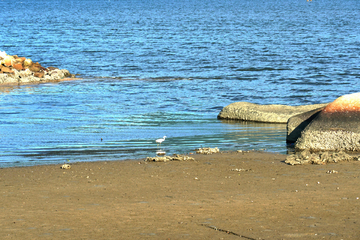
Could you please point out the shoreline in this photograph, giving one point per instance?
(137, 158)
(226, 195)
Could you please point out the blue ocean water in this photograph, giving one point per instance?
(155, 68)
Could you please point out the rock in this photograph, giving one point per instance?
(264, 113)
(298, 123)
(306, 157)
(6, 70)
(207, 150)
(35, 67)
(67, 73)
(176, 157)
(52, 68)
(65, 166)
(21, 59)
(8, 61)
(2, 55)
(18, 66)
(336, 127)
(25, 74)
(27, 63)
(39, 74)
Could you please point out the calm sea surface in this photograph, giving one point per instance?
(166, 68)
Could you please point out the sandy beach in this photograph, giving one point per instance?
(250, 195)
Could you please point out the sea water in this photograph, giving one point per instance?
(166, 68)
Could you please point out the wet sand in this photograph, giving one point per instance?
(221, 196)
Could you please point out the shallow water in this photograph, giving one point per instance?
(160, 68)
(99, 120)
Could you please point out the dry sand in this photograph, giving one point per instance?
(221, 196)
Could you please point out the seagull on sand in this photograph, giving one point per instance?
(160, 140)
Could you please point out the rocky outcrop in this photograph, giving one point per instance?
(264, 113)
(17, 70)
(335, 128)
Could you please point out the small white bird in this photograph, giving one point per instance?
(160, 140)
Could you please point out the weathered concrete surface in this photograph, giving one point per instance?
(264, 113)
(306, 157)
(336, 127)
(298, 123)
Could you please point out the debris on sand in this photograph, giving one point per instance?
(176, 157)
(306, 157)
(240, 170)
(207, 150)
(65, 166)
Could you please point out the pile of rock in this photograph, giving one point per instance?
(14, 69)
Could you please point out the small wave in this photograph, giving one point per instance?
(257, 69)
(166, 79)
(157, 79)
